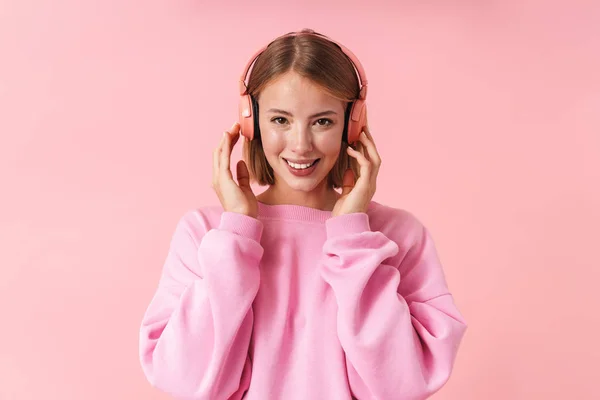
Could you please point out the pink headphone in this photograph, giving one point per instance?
(358, 113)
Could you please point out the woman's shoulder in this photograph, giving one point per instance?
(197, 221)
(398, 224)
(381, 213)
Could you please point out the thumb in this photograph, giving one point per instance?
(243, 176)
(347, 182)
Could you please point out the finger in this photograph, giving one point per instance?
(225, 157)
(216, 157)
(360, 157)
(369, 134)
(367, 130)
(243, 176)
(369, 144)
(235, 128)
(361, 148)
(215, 166)
(234, 134)
(347, 181)
(364, 165)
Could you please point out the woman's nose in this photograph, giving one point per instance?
(302, 140)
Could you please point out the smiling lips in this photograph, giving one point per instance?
(302, 167)
(300, 164)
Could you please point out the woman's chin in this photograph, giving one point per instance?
(304, 187)
(302, 184)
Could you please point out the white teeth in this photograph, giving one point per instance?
(299, 166)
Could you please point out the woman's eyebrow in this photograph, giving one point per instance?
(289, 114)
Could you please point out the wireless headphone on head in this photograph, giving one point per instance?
(248, 108)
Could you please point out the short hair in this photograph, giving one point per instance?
(324, 63)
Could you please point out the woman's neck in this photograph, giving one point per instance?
(321, 198)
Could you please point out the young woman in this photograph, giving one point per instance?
(304, 291)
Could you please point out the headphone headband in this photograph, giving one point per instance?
(357, 65)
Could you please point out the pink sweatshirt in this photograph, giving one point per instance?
(297, 304)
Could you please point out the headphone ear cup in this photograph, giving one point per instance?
(357, 120)
(246, 117)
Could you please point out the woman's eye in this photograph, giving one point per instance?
(320, 122)
(278, 119)
(324, 121)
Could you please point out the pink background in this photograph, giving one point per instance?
(486, 114)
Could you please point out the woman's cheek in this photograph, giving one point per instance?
(330, 143)
(272, 140)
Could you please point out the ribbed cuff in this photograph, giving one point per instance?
(242, 225)
(347, 224)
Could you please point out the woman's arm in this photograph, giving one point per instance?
(398, 325)
(195, 333)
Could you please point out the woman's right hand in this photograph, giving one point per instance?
(234, 197)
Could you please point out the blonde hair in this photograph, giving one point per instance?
(319, 60)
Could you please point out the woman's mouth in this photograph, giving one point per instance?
(302, 167)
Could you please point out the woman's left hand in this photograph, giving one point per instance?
(357, 194)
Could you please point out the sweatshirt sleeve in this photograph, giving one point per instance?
(397, 321)
(195, 333)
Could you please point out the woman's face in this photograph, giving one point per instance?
(301, 128)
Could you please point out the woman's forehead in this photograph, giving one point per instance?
(296, 92)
